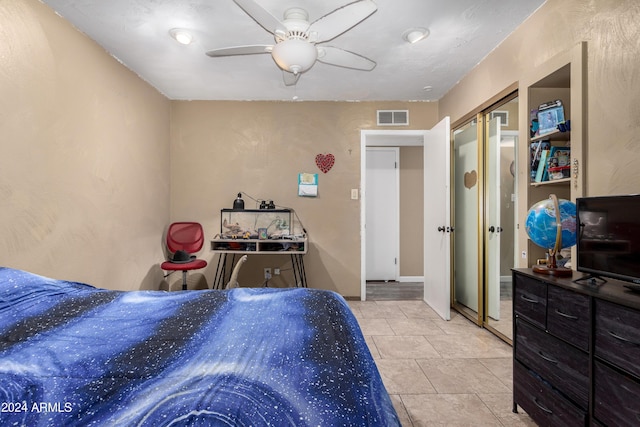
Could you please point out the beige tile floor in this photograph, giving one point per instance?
(439, 373)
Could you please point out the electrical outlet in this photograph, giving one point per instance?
(276, 271)
(267, 273)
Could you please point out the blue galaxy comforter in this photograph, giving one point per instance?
(75, 355)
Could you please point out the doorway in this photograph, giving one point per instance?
(433, 241)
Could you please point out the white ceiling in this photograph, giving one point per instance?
(136, 32)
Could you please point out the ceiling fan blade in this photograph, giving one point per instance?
(241, 50)
(262, 17)
(343, 58)
(340, 20)
(290, 79)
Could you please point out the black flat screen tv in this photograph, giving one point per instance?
(608, 240)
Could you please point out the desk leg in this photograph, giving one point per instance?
(217, 281)
(221, 279)
(294, 268)
(303, 272)
(299, 274)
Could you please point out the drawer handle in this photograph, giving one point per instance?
(547, 358)
(618, 337)
(541, 406)
(527, 299)
(568, 316)
(624, 387)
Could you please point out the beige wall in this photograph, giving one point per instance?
(411, 211)
(84, 184)
(221, 148)
(611, 30)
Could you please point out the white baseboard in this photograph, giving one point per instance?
(411, 279)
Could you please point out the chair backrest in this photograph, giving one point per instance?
(185, 236)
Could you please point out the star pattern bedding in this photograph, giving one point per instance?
(75, 355)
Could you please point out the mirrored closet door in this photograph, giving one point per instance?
(484, 202)
(500, 207)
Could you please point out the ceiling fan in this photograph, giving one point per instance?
(299, 43)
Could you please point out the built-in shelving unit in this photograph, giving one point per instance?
(560, 78)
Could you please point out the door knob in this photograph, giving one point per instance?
(441, 228)
(492, 229)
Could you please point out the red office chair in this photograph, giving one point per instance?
(184, 239)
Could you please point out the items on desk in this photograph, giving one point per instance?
(238, 203)
(269, 205)
(262, 234)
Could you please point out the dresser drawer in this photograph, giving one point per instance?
(530, 300)
(568, 316)
(616, 398)
(565, 367)
(617, 335)
(542, 403)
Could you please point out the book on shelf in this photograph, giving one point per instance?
(536, 149)
(559, 163)
(542, 166)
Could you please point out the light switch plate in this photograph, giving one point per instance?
(354, 194)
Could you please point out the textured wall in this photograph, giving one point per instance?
(612, 31)
(412, 194)
(220, 148)
(84, 188)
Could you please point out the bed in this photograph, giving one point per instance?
(75, 355)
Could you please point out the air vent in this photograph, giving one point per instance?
(393, 117)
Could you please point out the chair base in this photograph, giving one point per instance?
(184, 280)
(196, 264)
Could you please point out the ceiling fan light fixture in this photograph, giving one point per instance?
(181, 36)
(414, 35)
(294, 55)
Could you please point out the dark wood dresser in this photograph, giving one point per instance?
(576, 351)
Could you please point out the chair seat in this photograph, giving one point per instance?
(191, 265)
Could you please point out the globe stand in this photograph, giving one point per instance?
(552, 268)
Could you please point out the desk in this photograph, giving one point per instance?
(294, 247)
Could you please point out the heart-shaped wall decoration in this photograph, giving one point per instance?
(325, 162)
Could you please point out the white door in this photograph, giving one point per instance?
(437, 215)
(382, 204)
(493, 219)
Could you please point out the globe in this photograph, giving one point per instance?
(541, 223)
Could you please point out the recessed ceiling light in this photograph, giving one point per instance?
(414, 35)
(181, 36)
